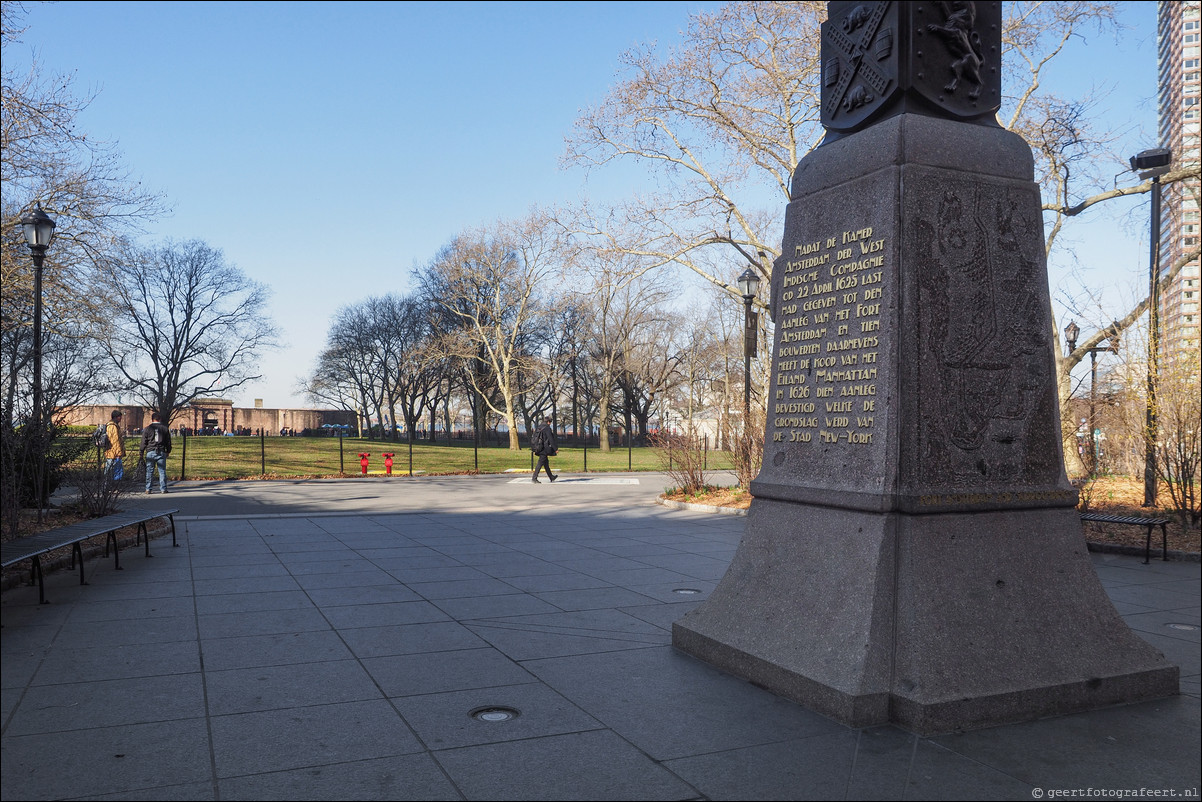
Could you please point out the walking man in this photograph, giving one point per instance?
(114, 454)
(156, 445)
(544, 445)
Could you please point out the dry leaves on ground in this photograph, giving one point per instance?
(1112, 495)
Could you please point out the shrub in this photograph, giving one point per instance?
(99, 494)
(747, 449)
(682, 458)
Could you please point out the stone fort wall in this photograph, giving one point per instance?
(214, 414)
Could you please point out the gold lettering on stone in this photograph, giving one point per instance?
(831, 299)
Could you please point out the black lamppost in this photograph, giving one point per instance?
(749, 286)
(39, 233)
(1152, 164)
(1071, 331)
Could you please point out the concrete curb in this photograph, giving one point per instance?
(684, 505)
(1138, 551)
(1101, 548)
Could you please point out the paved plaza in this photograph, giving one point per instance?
(488, 638)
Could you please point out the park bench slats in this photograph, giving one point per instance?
(34, 546)
(1135, 520)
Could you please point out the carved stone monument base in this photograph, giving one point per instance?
(913, 553)
(933, 622)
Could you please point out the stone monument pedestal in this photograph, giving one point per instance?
(913, 553)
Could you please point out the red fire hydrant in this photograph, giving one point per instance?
(363, 462)
(388, 464)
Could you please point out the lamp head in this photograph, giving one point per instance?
(39, 229)
(1071, 331)
(1151, 159)
(749, 284)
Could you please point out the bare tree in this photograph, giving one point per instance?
(46, 158)
(616, 301)
(335, 380)
(488, 284)
(723, 120)
(652, 368)
(186, 323)
(80, 181)
(1179, 440)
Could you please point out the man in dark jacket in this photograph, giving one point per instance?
(544, 445)
(156, 445)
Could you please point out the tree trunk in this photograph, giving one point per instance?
(511, 419)
(1073, 465)
(603, 421)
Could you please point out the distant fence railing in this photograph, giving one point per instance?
(259, 455)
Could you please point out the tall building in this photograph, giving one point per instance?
(1180, 36)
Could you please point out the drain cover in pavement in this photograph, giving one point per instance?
(493, 714)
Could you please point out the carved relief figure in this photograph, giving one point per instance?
(858, 16)
(963, 42)
(856, 98)
(985, 363)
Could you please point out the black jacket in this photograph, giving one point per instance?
(148, 437)
(544, 443)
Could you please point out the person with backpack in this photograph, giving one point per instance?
(114, 450)
(544, 445)
(156, 445)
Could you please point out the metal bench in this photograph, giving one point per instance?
(34, 546)
(1135, 520)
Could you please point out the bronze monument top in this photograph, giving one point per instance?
(883, 58)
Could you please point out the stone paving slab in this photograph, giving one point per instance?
(320, 653)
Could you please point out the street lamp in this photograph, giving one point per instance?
(1071, 331)
(1152, 164)
(749, 285)
(39, 233)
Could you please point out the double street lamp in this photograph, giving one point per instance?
(1152, 164)
(1071, 332)
(749, 286)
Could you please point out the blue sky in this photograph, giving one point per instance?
(327, 148)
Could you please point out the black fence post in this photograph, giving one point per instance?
(341, 464)
(262, 453)
(183, 460)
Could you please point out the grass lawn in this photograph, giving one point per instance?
(293, 457)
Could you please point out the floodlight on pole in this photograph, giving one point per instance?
(1152, 163)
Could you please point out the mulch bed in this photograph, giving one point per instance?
(1112, 495)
